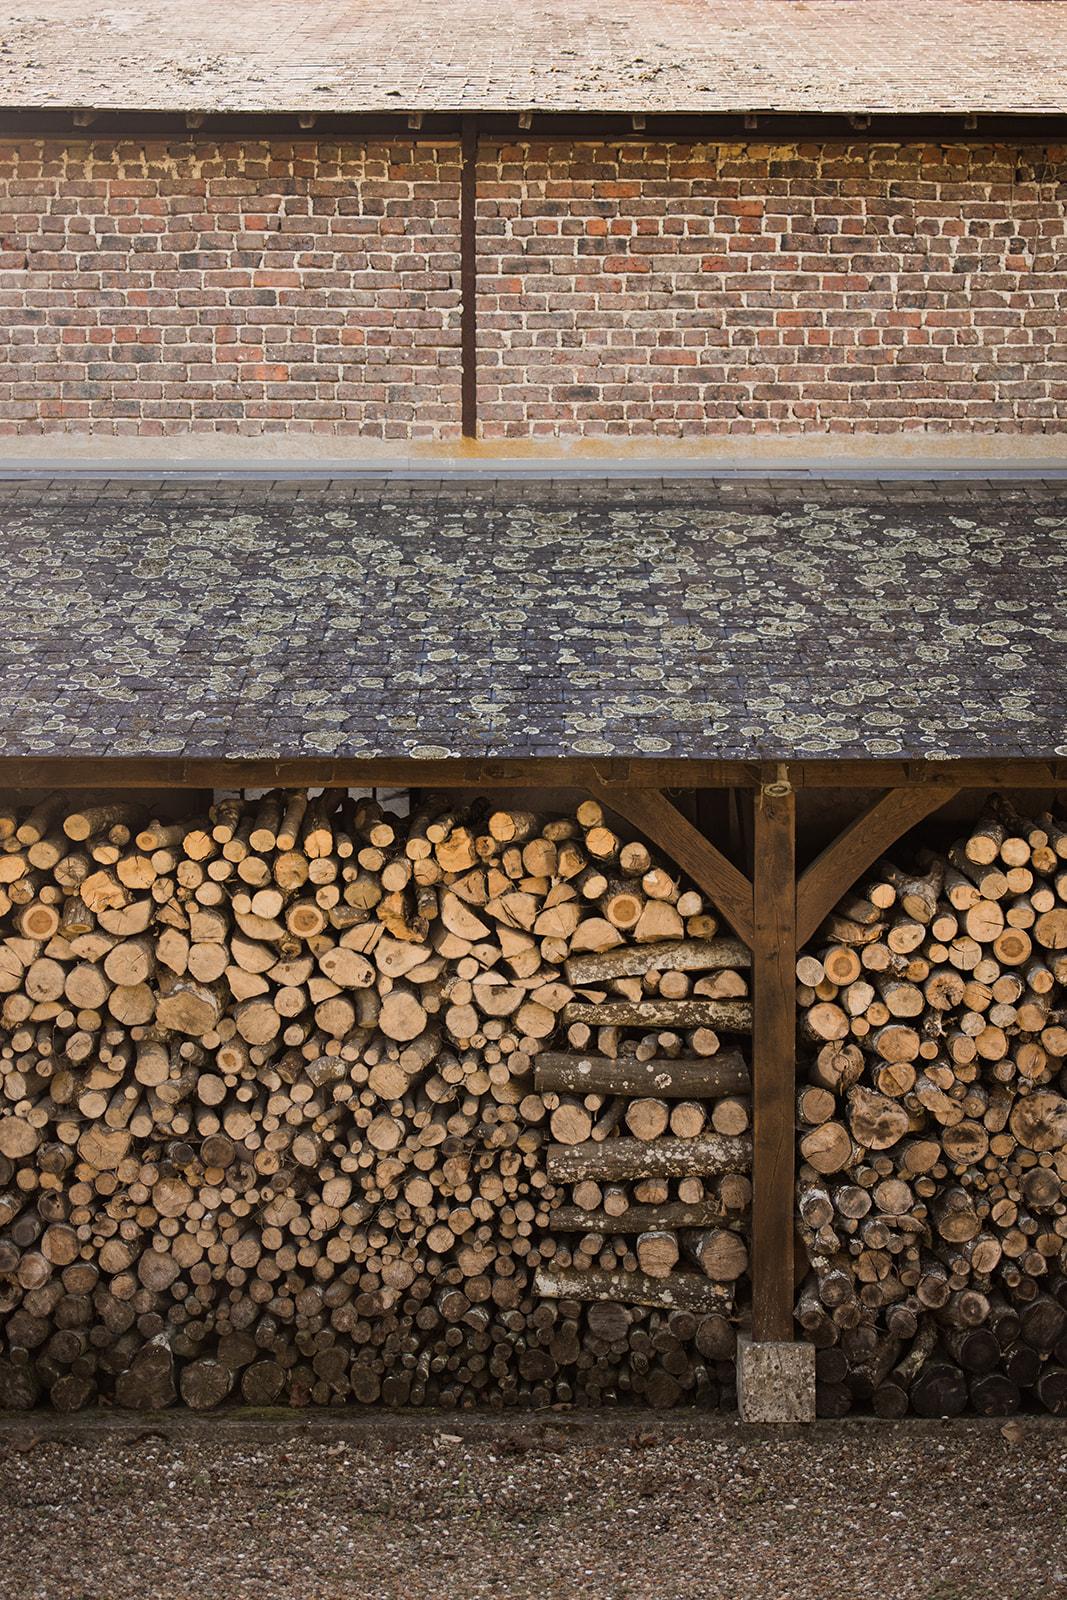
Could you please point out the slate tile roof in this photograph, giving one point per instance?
(733, 622)
(556, 55)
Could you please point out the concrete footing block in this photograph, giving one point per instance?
(775, 1382)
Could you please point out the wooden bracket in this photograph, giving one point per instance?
(834, 872)
(661, 821)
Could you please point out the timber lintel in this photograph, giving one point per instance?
(81, 772)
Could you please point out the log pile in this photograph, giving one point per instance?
(271, 1130)
(932, 1127)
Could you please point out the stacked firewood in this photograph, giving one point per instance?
(271, 1129)
(933, 1130)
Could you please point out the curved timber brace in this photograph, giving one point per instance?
(660, 820)
(775, 913)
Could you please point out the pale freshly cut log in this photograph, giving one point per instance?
(720, 1253)
(676, 955)
(646, 1119)
(641, 1218)
(732, 1016)
(657, 1252)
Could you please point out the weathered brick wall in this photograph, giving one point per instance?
(252, 287)
(671, 290)
(643, 289)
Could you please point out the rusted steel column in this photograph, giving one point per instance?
(468, 279)
(773, 1056)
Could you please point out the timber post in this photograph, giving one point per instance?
(775, 1375)
(773, 1057)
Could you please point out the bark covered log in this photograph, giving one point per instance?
(723, 1074)
(933, 1187)
(273, 1127)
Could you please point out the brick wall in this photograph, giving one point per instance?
(239, 287)
(670, 290)
(653, 289)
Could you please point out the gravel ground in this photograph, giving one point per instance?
(552, 1507)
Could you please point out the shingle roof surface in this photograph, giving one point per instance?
(561, 55)
(681, 621)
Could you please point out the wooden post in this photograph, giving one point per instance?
(773, 1056)
(468, 277)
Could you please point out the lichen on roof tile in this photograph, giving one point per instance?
(269, 626)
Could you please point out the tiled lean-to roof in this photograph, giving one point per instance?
(682, 620)
(848, 56)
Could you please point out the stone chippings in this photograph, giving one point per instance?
(413, 620)
(655, 55)
(548, 1508)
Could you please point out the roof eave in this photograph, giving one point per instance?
(505, 118)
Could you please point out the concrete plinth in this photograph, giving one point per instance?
(775, 1382)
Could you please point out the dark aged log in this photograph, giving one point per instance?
(704, 1078)
(939, 1391)
(933, 1180)
(274, 1127)
(19, 1386)
(993, 1394)
(638, 1218)
(205, 1384)
(1051, 1389)
(148, 1383)
(974, 1349)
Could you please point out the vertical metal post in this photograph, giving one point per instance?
(468, 275)
(773, 1056)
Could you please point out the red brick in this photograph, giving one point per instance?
(647, 288)
(239, 235)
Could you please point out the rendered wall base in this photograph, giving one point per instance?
(877, 455)
(775, 1382)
